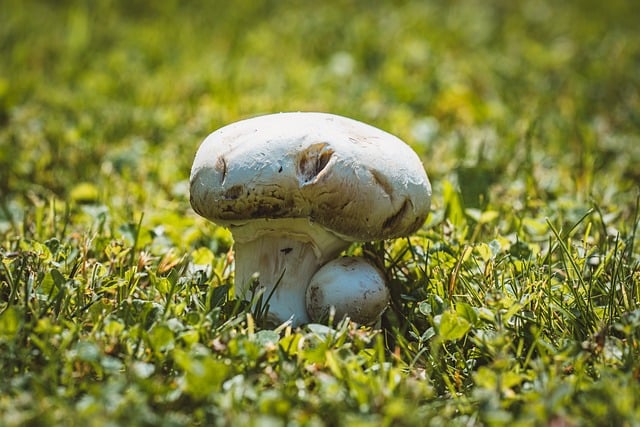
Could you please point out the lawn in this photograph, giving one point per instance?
(516, 303)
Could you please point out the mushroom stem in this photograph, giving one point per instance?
(284, 259)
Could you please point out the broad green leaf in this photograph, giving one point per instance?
(203, 374)
(482, 217)
(453, 326)
(84, 192)
(495, 247)
(266, 337)
(113, 327)
(467, 312)
(202, 256)
(432, 306)
(40, 249)
(9, 322)
(488, 378)
(535, 227)
(425, 308)
(87, 351)
(190, 337)
(485, 378)
(161, 338)
(334, 364)
(290, 343)
(484, 251)
(143, 369)
(163, 285)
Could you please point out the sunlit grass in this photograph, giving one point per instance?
(517, 303)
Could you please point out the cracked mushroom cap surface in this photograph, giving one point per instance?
(351, 178)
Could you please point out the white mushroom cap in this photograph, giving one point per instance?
(352, 286)
(346, 176)
(296, 188)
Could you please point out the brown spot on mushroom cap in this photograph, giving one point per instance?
(382, 181)
(221, 168)
(234, 192)
(392, 220)
(348, 177)
(312, 161)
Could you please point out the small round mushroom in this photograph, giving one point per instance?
(296, 189)
(352, 286)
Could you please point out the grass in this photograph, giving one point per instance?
(517, 303)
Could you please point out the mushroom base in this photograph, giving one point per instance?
(285, 254)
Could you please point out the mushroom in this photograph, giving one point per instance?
(352, 287)
(296, 189)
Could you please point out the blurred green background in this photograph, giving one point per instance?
(114, 92)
